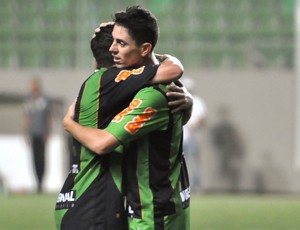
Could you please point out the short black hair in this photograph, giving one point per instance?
(141, 24)
(100, 45)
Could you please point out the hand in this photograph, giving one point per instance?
(161, 57)
(103, 24)
(69, 115)
(181, 99)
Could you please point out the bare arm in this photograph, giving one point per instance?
(97, 140)
(169, 70)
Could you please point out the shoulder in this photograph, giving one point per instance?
(132, 71)
(155, 94)
(99, 72)
(158, 89)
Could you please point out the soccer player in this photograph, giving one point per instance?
(91, 196)
(155, 175)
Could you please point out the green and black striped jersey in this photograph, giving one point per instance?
(155, 175)
(91, 197)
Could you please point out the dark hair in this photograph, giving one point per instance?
(100, 47)
(141, 24)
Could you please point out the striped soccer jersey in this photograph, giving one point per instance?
(155, 173)
(91, 196)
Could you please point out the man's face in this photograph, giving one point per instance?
(124, 49)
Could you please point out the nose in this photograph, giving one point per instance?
(113, 47)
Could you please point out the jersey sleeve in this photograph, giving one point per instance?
(148, 111)
(133, 79)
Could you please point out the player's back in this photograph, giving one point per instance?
(91, 197)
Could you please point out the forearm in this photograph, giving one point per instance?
(170, 69)
(97, 140)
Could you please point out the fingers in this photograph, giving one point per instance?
(180, 99)
(176, 92)
(177, 109)
(103, 24)
(179, 105)
(175, 95)
(175, 88)
(97, 30)
(177, 98)
(177, 102)
(176, 105)
(71, 109)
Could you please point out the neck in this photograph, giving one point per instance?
(155, 60)
(151, 59)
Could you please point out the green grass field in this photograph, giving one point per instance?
(208, 212)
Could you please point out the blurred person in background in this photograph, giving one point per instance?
(36, 127)
(191, 139)
(229, 146)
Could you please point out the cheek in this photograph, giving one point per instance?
(132, 56)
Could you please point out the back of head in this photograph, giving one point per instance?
(141, 24)
(100, 44)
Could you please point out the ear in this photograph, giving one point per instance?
(146, 49)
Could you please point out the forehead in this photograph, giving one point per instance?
(120, 32)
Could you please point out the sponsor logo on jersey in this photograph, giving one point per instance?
(130, 212)
(134, 104)
(124, 74)
(138, 121)
(66, 200)
(185, 194)
(74, 169)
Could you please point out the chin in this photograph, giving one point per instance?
(119, 65)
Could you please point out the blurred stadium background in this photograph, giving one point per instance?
(242, 55)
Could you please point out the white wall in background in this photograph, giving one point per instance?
(16, 166)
